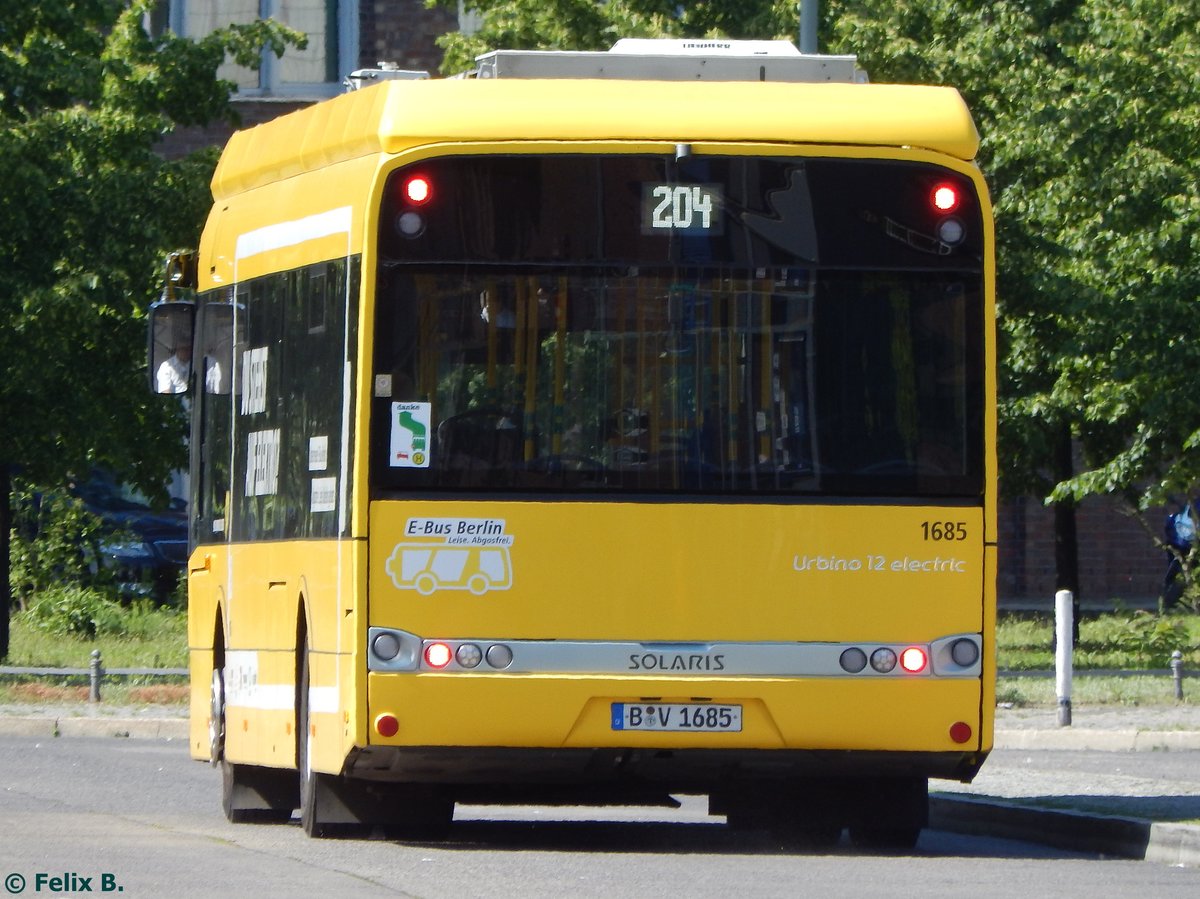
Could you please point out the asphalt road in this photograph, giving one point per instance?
(141, 819)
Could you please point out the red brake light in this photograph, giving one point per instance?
(387, 725)
(438, 655)
(945, 198)
(913, 660)
(418, 190)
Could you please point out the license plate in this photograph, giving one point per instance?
(677, 716)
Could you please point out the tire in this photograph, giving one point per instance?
(336, 806)
(795, 816)
(249, 794)
(898, 812)
(791, 833)
(309, 820)
(320, 794)
(216, 718)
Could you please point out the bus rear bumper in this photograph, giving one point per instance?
(508, 774)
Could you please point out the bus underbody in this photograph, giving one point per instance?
(806, 797)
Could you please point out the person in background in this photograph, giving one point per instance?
(1179, 535)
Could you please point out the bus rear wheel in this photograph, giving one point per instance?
(891, 813)
(312, 783)
(798, 814)
(330, 806)
(249, 794)
(216, 718)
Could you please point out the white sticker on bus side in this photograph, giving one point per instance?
(243, 690)
(262, 462)
(254, 380)
(410, 435)
(318, 453)
(324, 495)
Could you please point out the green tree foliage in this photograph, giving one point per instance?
(87, 211)
(55, 541)
(1088, 113)
(74, 611)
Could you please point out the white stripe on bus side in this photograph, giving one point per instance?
(289, 234)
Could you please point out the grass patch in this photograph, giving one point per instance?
(1118, 640)
(1021, 692)
(137, 636)
(1121, 640)
(151, 637)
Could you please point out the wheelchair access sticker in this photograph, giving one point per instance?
(410, 435)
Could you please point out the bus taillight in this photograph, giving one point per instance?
(913, 660)
(438, 655)
(418, 190)
(945, 198)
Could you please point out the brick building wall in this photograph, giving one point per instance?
(1118, 559)
(403, 32)
(250, 112)
(396, 31)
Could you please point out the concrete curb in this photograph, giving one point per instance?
(136, 728)
(1085, 739)
(1172, 844)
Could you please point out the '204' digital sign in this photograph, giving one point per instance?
(686, 208)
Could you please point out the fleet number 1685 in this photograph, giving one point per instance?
(944, 530)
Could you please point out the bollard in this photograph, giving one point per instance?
(1064, 623)
(96, 673)
(1177, 672)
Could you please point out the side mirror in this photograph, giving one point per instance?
(172, 324)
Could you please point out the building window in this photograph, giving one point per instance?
(316, 71)
(469, 21)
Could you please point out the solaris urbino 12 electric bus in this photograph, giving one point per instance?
(600, 427)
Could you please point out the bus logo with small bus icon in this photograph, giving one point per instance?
(472, 554)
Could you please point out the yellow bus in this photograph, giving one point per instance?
(600, 427)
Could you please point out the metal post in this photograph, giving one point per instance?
(1064, 618)
(96, 673)
(1177, 672)
(810, 11)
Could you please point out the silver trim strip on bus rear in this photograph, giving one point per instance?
(393, 650)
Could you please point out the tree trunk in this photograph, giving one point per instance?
(5, 537)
